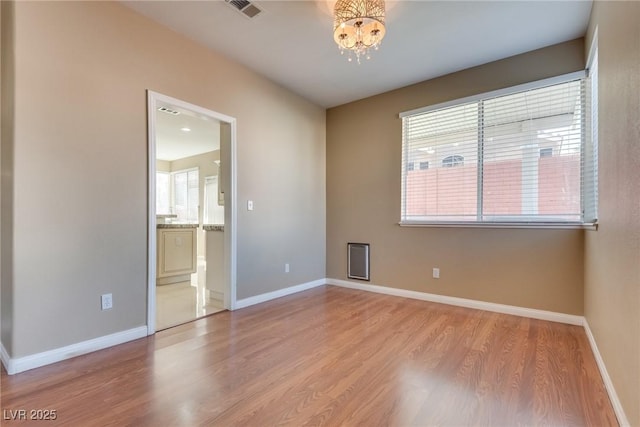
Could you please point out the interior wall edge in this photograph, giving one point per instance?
(608, 383)
(611, 268)
(7, 132)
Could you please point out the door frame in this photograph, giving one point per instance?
(154, 101)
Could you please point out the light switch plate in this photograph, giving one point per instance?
(249, 205)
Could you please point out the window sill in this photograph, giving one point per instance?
(519, 225)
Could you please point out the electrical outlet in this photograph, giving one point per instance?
(286, 268)
(436, 273)
(107, 301)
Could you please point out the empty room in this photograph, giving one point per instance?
(320, 212)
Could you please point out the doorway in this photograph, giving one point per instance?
(192, 231)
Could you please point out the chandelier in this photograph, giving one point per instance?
(358, 26)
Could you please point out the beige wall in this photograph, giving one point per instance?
(540, 269)
(163, 166)
(612, 254)
(7, 78)
(80, 168)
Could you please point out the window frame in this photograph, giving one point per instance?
(592, 126)
(554, 224)
(168, 189)
(172, 185)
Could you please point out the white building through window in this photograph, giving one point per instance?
(519, 155)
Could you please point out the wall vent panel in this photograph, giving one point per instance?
(245, 7)
(358, 261)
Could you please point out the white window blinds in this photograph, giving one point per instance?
(186, 195)
(509, 158)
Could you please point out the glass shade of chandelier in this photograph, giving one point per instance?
(358, 26)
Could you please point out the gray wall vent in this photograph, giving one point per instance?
(358, 261)
(245, 7)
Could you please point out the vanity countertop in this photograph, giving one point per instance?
(213, 227)
(177, 225)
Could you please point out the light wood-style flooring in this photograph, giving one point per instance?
(330, 356)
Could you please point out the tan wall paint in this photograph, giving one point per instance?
(7, 79)
(612, 254)
(81, 167)
(540, 269)
(163, 166)
(1, 114)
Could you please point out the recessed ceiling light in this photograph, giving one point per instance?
(185, 129)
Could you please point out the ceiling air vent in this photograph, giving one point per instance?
(168, 111)
(245, 7)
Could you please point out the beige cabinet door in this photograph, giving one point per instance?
(176, 251)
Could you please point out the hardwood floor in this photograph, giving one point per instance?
(329, 356)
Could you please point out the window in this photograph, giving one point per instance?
(513, 156)
(163, 193)
(409, 166)
(186, 195)
(451, 161)
(424, 166)
(178, 193)
(591, 152)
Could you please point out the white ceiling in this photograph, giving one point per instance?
(291, 42)
(172, 142)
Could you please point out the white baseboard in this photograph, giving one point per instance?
(246, 302)
(463, 302)
(21, 364)
(216, 295)
(613, 396)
